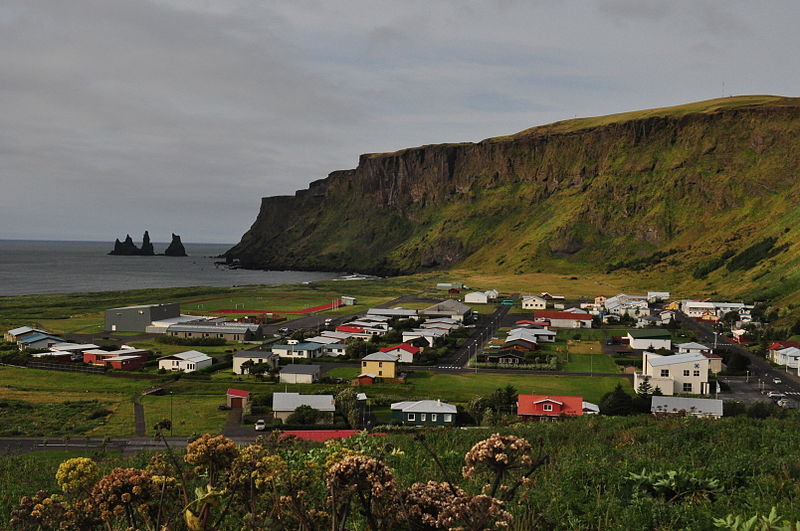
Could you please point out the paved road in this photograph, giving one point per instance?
(486, 326)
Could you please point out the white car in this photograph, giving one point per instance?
(777, 381)
(261, 425)
(776, 395)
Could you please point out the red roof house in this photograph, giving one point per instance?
(405, 351)
(237, 399)
(349, 329)
(540, 407)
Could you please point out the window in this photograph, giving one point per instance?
(412, 417)
(380, 364)
(697, 373)
(363, 363)
(548, 407)
(433, 417)
(687, 388)
(380, 373)
(423, 417)
(448, 417)
(686, 372)
(664, 373)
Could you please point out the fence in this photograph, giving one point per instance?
(66, 367)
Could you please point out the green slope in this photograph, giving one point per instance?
(668, 196)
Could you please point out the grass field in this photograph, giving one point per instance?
(190, 414)
(348, 373)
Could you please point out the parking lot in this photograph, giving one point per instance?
(751, 389)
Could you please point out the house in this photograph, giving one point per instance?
(476, 297)
(448, 308)
(126, 362)
(424, 413)
(666, 316)
(340, 337)
(773, 349)
(366, 379)
(99, 357)
(38, 341)
(284, 404)
(189, 361)
(256, 357)
(299, 350)
(445, 327)
(521, 344)
(657, 296)
(647, 321)
(714, 362)
(405, 353)
(549, 407)
(550, 297)
(539, 335)
(692, 348)
(381, 364)
(624, 304)
(323, 340)
(295, 374)
(226, 330)
(430, 335)
(564, 319)
(237, 399)
(696, 407)
(138, 318)
(505, 357)
(788, 357)
(600, 300)
(15, 334)
(532, 302)
(679, 373)
(392, 312)
(649, 339)
(711, 311)
(334, 349)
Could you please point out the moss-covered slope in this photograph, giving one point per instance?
(673, 193)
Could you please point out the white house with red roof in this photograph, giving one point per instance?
(404, 351)
(549, 407)
(564, 319)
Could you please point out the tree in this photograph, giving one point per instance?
(504, 399)
(477, 407)
(304, 415)
(616, 402)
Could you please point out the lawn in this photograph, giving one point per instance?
(163, 349)
(590, 363)
(348, 373)
(190, 414)
(21, 379)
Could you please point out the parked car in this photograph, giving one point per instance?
(777, 381)
(783, 402)
(261, 425)
(283, 330)
(776, 395)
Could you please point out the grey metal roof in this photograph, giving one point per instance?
(448, 306)
(322, 340)
(261, 354)
(290, 401)
(424, 406)
(392, 312)
(701, 406)
(677, 358)
(213, 329)
(380, 356)
(189, 355)
(692, 345)
(300, 369)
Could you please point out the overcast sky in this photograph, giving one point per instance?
(118, 116)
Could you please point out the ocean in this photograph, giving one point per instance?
(38, 267)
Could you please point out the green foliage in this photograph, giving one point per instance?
(638, 264)
(757, 252)
(674, 486)
(771, 522)
(191, 341)
(616, 402)
(55, 419)
(304, 415)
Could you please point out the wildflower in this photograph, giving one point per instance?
(77, 474)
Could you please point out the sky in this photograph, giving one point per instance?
(118, 116)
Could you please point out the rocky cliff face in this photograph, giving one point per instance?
(687, 182)
(175, 247)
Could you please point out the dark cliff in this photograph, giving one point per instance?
(175, 247)
(685, 182)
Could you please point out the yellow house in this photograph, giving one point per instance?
(380, 364)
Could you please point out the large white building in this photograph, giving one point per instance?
(680, 373)
(188, 361)
(533, 302)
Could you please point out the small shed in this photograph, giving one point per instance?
(348, 301)
(237, 399)
(295, 374)
(366, 379)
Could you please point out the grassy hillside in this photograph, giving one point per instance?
(701, 198)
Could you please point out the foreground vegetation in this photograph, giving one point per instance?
(588, 473)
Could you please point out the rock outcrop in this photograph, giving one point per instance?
(175, 247)
(664, 190)
(128, 248)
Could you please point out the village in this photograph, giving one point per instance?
(667, 356)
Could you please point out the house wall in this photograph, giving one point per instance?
(410, 336)
(296, 378)
(676, 375)
(382, 369)
(423, 419)
(238, 362)
(534, 304)
(650, 344)
(570, 323)
(137, 319)
(127, 365)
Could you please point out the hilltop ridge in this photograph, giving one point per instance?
(674, 193)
